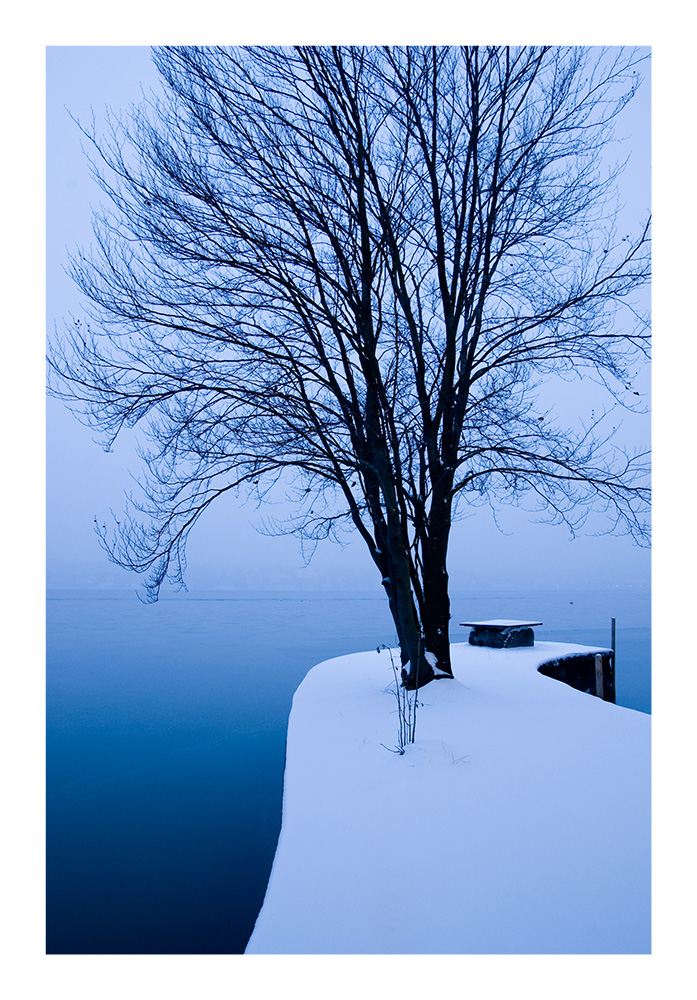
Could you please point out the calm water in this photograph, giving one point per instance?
(165, 745)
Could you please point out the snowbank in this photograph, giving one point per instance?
(519, 821)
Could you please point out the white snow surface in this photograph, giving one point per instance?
(502, 623)
(518, 822)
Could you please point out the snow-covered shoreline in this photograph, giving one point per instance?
(519, 821)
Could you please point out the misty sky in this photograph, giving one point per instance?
(225, 550)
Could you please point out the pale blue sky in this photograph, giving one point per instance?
(225, 550)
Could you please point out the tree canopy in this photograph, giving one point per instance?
(353, 268)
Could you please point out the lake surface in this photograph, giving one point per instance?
(166, 731)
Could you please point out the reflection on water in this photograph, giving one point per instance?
(165, 745)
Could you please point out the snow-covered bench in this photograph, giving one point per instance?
(501, 633)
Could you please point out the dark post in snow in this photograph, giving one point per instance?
(612, 640)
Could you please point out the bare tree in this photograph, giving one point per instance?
(353, 268)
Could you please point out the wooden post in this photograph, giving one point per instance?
(612, 628)
(599, 688)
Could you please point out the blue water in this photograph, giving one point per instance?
(166, 732)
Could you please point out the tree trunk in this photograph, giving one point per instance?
(435, 610)
(423, 633)
(398, 587)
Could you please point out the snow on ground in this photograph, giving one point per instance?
(519, 821)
